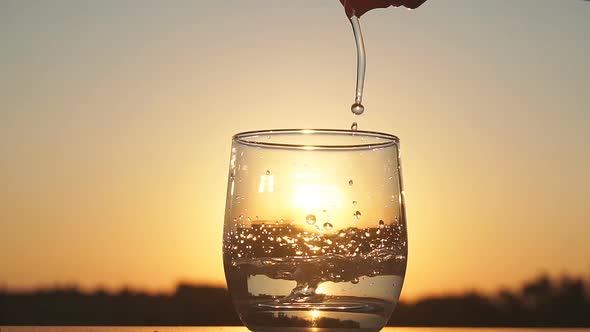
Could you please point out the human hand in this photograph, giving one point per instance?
(359, 7)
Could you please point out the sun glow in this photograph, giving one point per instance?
(315, 313)
(310, 194)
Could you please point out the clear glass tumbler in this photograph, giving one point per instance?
(315, 232)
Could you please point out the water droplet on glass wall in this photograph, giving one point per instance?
(310, 219)
(328, 226)
(350, 183)
(357, 214)
(267, 172)
(354, 126)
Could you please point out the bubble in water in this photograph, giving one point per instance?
(381, 223)
(350, 183)
(357, 108)
(354, 126)
(310, 219)
(353, 202)
(357, 214)
(267, 172)
(328, 226)
(355, 281)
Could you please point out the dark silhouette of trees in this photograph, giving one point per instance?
(540, 302)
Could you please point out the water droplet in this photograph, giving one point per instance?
(353, 202)
(354, 126)
(268, 137)
(310, 219)
(350, 183)
(357, 214)
(381, 223)
(328, 226)
(267, 172)
(357, 108)
(355, 281)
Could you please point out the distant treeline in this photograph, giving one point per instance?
(542, 302)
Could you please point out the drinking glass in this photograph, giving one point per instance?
(315, 232)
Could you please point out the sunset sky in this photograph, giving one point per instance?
(116, 120)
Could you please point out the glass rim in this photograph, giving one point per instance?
(254, 138)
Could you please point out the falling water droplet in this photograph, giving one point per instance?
(350, 183)
(354, 126)
(355, 281)
(357, 108)
(357, 214)
(267, 172)
(310, 219)
(328, 226)
(353, 202)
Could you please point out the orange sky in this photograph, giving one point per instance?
(116, 123)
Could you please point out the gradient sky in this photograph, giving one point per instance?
(116, 120)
